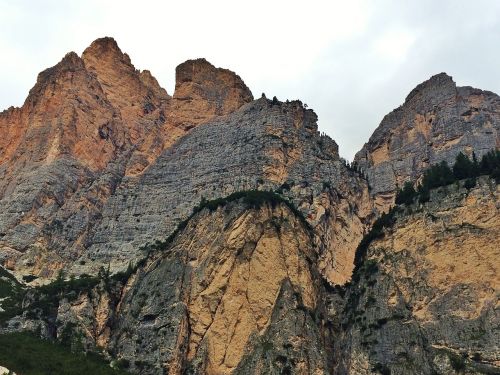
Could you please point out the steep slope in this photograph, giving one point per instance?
(262, 146)
(86, 124)
(425, 298)
(436, 122)
(203, 233)
(235, 290)
(65, 134)
(215, 292)
(156, 177)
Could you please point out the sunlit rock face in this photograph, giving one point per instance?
(436, 122)
(101, 162)
(425, 299)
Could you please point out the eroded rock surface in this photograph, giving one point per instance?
(88, 123)
(231, 278)
(436, 122)
(425, 300)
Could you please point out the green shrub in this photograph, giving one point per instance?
(406, 195)
(470, 183)
(382, 369)
(457, 362)
(441, 175)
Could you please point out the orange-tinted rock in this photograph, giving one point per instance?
(436, 122)
(87, 123)
(134, 94)
(66, 112)
(203, 92)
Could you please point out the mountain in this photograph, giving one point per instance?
(424, 298)
(436, 122)
(209, 232)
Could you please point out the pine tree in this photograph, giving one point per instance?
(406, 195)
(463, 167)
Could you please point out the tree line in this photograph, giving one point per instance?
(441, 174)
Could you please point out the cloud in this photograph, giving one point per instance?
(351, 61)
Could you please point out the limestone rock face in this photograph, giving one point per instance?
(426, 299)
(260, 146)
(65, 116)
(436, 122)
(100, 161)
(203, 92)
(137, 96)
(86, 124)
(228, 280)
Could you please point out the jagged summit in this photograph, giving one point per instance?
(440, 82)
(210, 233)
(437, 120)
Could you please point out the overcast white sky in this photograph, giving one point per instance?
(351, 61)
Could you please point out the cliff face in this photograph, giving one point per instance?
(215, 293)
(261, 146)
(104, 173)
(425, 299)
(88, 123)
(237, 290)
(436, 122)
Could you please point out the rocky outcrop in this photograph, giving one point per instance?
(425, 298)
(236, 290)
(210, 233)
(203, 92)
(436, 122)
(259, 147)
(88, 123)
(217, 292)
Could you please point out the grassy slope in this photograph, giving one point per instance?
(28, 355)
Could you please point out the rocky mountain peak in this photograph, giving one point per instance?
(70, 65)
(136, 95)
(105, 46)
(436, 122)
(433, 90)
(203, 91)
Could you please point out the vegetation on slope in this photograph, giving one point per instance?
(436, 176)
(251, 198)
(11, 293)
(442, 175)
(25, 354)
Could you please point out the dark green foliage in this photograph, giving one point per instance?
(251, 198)
(46, 297)
(25, 354)
(406, 195)
(441, 175)
(11, 293)
(267, 346)
(284, 187)
(470, 183)
(382, 369)
(386, 220)
(490, 163)
(437, 175)
(382, 321)
(463, 167)
(457, 362)
(29, 278)
(424, 194)
(123, 276)
(370, 267)
(123, 364)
